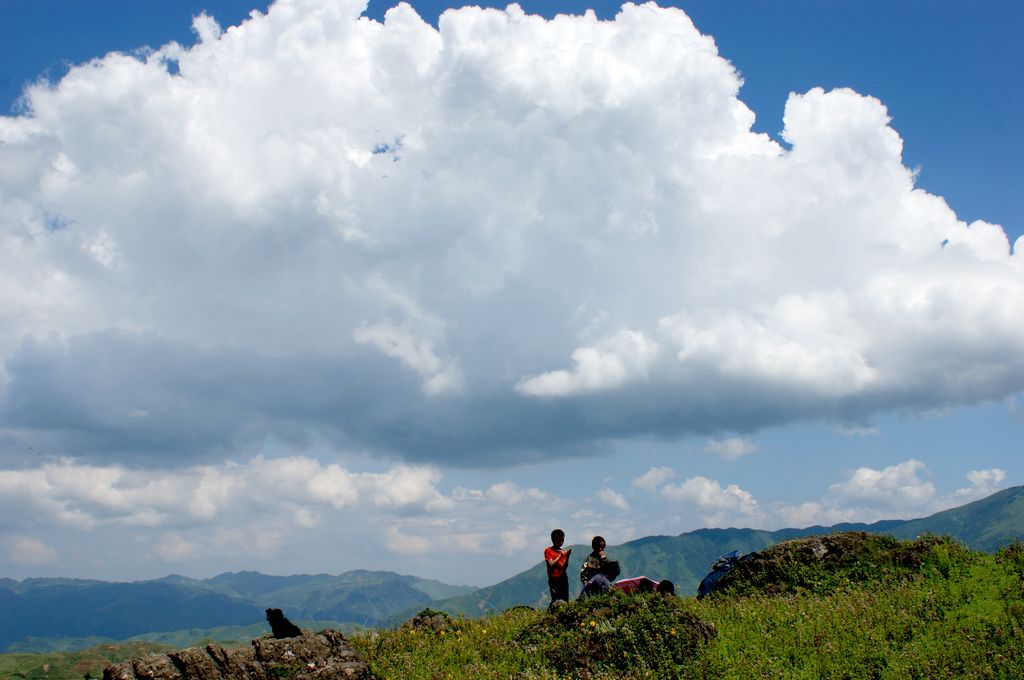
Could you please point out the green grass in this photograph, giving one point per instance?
(69, 665)
(925, 609)
(952, 614)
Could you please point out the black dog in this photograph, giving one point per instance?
(280, 626)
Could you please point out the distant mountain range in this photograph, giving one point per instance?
(79, 609)
(45, 613)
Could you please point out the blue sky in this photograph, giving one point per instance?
(588, 283)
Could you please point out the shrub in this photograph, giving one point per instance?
(619, 633)
(825, 564)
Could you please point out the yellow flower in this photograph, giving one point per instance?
(593, 623)
(673, 631)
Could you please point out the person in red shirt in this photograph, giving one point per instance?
(556, 558)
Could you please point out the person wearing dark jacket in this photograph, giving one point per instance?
(597, 571)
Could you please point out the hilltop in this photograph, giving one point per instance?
(982, 525)
(67, 614)
(850, 604)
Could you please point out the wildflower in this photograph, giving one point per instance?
(673, 631)
(593, 623)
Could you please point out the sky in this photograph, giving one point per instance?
(320, 286)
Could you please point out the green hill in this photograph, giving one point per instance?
(71, 613)
(846, 605)
(851, 605)
(984, 525)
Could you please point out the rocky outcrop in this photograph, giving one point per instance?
(326, 655)
(823, 564)
(430, 620)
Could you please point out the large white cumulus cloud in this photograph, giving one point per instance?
(505, 237)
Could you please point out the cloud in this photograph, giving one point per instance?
(897, 491)
(899, 488)
(414, 254)
(506, 494)
(29, 551)
(87, 496)
(621, 358)
(732, 448)
(171, 547)
(613, 498)
(270, 512)
(1016, 409)
(419, 356)
(653, 478)
(983, 483)
(718, 506)
(857, 430)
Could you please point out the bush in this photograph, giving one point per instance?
(620, 633)
(825, 564)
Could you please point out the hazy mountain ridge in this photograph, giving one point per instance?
(77, 608)
(114, 610)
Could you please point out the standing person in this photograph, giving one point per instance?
(557, 559)
(597, 571)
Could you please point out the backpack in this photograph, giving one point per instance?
(722, 566)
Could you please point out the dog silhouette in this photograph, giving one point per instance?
(280, 626)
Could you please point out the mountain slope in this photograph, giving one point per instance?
(58, 608)
(72, 608)
(983, 525)
(115, 610)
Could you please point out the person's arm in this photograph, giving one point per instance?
(562, 558)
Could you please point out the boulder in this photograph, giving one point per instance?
(823, 564)
(326, 655)
(430, 620)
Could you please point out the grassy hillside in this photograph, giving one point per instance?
(947, 612)
(986, 525)
(685, 559)
(846, 606)
(72, 665)
(682, 559)
(45, 614)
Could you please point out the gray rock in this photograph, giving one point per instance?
(326, 655)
